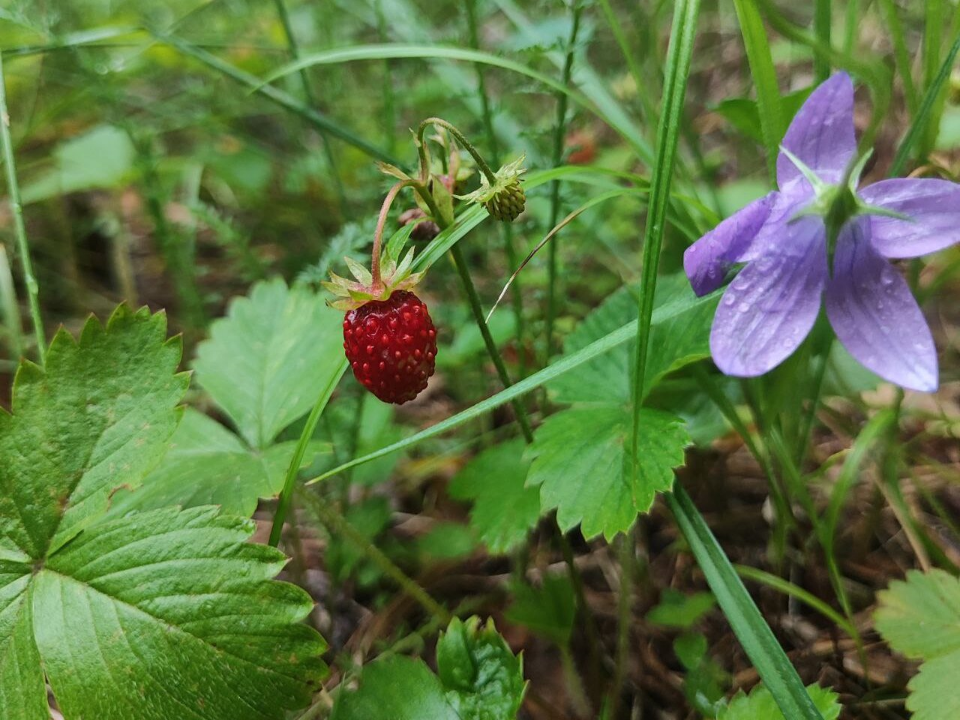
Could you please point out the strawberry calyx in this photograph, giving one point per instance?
(351, 294)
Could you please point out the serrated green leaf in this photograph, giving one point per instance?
(580, 461)
(921, 619)
(266, 360)
(173, 613)
(395, 688)
(206, 464)
(23, 695)
(681, 339)
(548, 610)
(97, 418)
(760, 705)
(152, 615)
(504, 510)
(483, 678)
(479, 679)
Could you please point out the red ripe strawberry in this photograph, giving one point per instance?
(392, 346)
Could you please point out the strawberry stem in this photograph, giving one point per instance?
(378, 235)
(460, 137)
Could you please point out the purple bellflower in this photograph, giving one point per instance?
(782, 238)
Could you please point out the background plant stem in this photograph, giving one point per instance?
(16, 207)
(559, 134)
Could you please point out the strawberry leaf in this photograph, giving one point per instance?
(206, 464)
(921, 619)
(760, 705)
(96, 419)
(504, 511)
(260, 359)
(153, 615)
(478, 678)
(584, 469)
(678, 341)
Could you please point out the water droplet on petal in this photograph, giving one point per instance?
(765, 264)
(743, 307)
(729, 298)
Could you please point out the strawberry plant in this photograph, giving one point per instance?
(636, 398)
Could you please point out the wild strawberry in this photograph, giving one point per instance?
(392, 346)
(388, 335)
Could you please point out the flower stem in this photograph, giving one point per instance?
(23, 247)
(559, 132)
(473, 299)
(460, 137)
(378, 234)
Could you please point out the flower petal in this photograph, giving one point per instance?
(772, 304)
(821, 135)
(876, 316)
(706, 261)
(933, 207)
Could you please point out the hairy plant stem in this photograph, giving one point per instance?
(559, 133)
(311, 99)
(378, 234)
(506, 229)
(460, 138)
(628, 561)
(16, 207)
(339, 526)
(10, 308)
(473, 299)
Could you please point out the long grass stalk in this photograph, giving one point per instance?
(19, 228)
(559, 134)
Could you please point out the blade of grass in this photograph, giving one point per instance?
(794, 591)
(20, 230)
(563, 365)
(822, 24)
(923, 114)
(396, 51)
(680, 52)
(930, 55)
(875, 74)
(756, 637)
(901, 55)
(275, 95)
(293, 469)
(765, 78)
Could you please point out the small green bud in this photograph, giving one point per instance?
(508, 202)
(504, 198)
